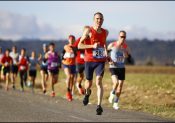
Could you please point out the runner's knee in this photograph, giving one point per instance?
(99, 81)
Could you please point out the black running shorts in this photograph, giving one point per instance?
(119, 72)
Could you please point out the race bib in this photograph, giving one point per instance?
(99, 53)
(120, 58)
(54, 64)
(6, 63)
(22, 67)
(44, 63)
(69, 55)
(82, 55)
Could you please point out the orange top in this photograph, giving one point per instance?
(96, 55)
(69, 56)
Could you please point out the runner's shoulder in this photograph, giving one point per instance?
(87, 30)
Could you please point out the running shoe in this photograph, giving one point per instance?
(13, 87)
(53, 94)
(115, 106)
(111, 97)
(44, 91)
(69, 96)
(99, 110)
(86, 98)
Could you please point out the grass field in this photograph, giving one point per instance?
(147, 88)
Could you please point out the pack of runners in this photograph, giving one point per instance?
(80, 59)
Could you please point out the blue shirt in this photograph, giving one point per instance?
(33, 63)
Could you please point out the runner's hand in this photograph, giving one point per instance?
(95, 45)
(109, 59)
(111, 63)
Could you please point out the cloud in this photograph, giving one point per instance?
(135, 32)
(15, 26)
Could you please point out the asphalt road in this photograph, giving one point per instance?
(16, 106)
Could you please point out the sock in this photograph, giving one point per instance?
(113, 91)
(88, 91)
(68, 89)
(116, 99)
(79, 86)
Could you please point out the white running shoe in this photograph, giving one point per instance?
(111, 97)
(115, 106)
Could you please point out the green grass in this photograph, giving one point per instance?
(154, 93)
(146, 89)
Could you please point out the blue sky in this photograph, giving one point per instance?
(150, 19)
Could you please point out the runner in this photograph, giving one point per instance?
(33, 69)
(1, 73)
(14, 67)
(53, 66)
(80, 66)
(95, 57)
(119, 51)
(43, 68)
(23, 67)
(69, 65)
(6, 63)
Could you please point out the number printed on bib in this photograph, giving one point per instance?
(82, 55)
(44, 63)
(120, 58)
(69, 55)
(99, 53)
(22, 67)
(54, 64)
(6, 63)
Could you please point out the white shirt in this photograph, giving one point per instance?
(14, 57)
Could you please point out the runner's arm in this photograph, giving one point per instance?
(46, 56)
(2, 61)
(81, 44)
(106, 49)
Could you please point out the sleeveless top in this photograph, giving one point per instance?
(6, 60)
(52, 61)
(98, 54)
(14, 57)
(23, 63)
(80, 53)
(117, 55)
(33, 63)
(69, 56)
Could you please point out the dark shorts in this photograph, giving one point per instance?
(14, 69)
(6, 70)
(80, 68)
(23, 75)
(32, 73)
(44, 68)
(119, 72)
(72, 68)
(91, 66)
(54, 72)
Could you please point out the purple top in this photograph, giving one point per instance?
(52, 61)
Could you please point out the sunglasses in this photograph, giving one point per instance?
(122, 36)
